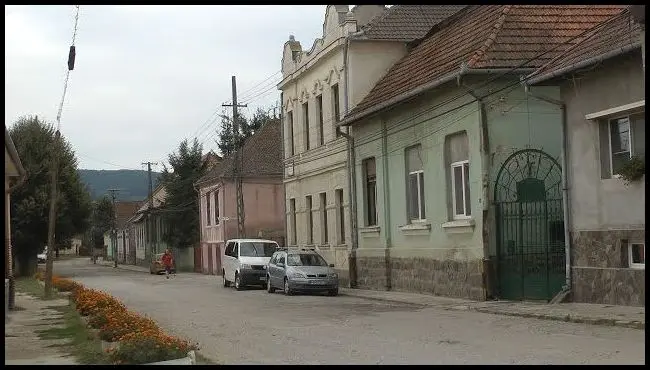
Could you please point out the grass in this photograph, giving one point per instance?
(202, 360)
(84, 346)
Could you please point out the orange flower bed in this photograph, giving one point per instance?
(150, 346)
(141, 340)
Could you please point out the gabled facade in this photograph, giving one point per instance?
(261, 174)
(458, 170)
(602, 87)
(319, 87)
(147, 228)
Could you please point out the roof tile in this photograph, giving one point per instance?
(489, 36)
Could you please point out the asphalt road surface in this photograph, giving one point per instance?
(254, 327)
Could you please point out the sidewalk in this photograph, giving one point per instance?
(22, 343)
(597, 314)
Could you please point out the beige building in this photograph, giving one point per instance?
(319, 87)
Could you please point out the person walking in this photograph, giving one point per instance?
(168, 262)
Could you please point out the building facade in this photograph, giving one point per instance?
(319, 87)
(603, 90)
(458, 167)
(261, 176)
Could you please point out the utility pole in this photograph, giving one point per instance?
(148, 227)
(114, 231)
(237, 160)
(51, 227)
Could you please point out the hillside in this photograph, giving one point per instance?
(134, 184)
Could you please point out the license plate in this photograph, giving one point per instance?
(262, 278)
(317, 282)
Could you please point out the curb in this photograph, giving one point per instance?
(630, 324)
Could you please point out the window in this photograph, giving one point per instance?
(281, 259)
(338, 193)
(257, 249)
(336, 110)
(230, 249)
(621, 138)
(415, 183)
(323, 218)
(370, 178)
(292, 220)
(636, 255)
(310, 220)
(321, 128)
(305, 120)
(208, 215)
(457, 158)
(235, 250)
(290, 133)
(216, 208)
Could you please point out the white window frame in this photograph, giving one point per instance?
(609, 137)
(629, 256)
(460, 164)
(419, 195)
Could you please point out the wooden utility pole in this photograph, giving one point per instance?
(51, 227)
(148, 229)
(237, 160)
(114, 228)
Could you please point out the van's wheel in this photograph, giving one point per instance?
(226, 283)
(333, 293)
(238, 285)
(269, 287)
(287, 290)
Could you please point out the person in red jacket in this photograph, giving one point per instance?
(168, 262)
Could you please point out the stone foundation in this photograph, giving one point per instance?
(458, 279)
(600, 271)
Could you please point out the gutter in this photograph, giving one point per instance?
(428, 86)
(565, 190)
(352, 188)
(584, 63)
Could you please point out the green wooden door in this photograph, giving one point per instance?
(529, 220)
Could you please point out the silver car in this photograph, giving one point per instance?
(301, 271)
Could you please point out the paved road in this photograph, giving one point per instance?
(254, 327)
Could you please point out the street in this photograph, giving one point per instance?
(254, 327)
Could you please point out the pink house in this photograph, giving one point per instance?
(263, 190)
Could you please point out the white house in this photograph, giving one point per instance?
(319, 87)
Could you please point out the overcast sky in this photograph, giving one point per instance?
(145, 77)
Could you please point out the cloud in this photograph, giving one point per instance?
(145, 76)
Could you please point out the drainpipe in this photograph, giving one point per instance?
(352, 188)
(485, 177)
(387, 208)
(284, 171)
(565, 189)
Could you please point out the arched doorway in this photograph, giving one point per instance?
(529, 226)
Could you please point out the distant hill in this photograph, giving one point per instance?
(134, 184)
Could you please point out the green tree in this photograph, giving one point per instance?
(247, 128)
(181, 209)
(102, 220)
(30, 203)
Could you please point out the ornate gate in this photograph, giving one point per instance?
(530, 226)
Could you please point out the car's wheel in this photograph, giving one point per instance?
(269, 287)
(333, 292)
(238, 285)
(287, 289)
(226, 283)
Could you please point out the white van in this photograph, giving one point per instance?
(245, 261)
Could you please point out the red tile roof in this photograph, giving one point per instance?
(484, 37)
(261, 153)
(407, 22)
(619, 33)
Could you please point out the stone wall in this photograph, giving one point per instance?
(458, 279)
(600, 271)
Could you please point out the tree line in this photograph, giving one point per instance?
(78, 214)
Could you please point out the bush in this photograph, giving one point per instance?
(150, 346)
(122, 322)
(64, 285)
(90, 301)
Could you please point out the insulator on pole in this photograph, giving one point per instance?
(71, 56)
